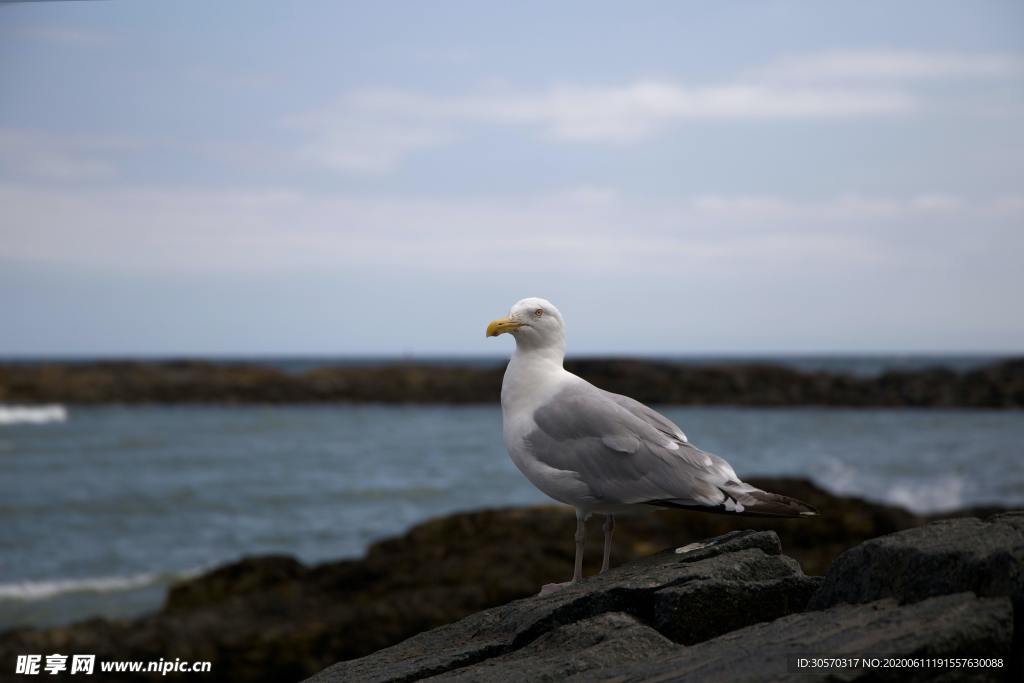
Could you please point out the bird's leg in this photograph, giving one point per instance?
(581, 538)
(609, 527)
(577, 573)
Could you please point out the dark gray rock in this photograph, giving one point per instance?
(1000, 385)
(734, 574)
(734, 610)
(948, 556)
(593, 644)
(961, 625)
(940, 558)
(1014, 518)
(719, 606)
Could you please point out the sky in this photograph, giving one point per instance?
(290, 178)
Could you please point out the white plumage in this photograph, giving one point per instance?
(603, 452)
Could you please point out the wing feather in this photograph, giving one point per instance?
(623, 453)
(627, 453)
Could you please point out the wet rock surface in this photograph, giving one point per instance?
(948, 556)
(1000, 385)
(275, 619)
(960, 625)
(578, 649)
(739, 610)
(735, 569)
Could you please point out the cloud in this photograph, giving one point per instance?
(581, 229)
(628, 112)
(616, 114)
(364, 146)
(373, 130)
(31, 154)
(1010, 205)
(891, 65)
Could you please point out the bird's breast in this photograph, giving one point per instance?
(523, 392)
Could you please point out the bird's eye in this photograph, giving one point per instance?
(539, 312)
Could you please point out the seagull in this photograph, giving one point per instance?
(601, 452)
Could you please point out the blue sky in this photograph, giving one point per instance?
(322, 177)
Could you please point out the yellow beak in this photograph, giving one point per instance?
(501, 326)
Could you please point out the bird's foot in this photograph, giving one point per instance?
(549, 588)
(690, 548)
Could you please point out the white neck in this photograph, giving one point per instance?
(530, 369)
(550, 353)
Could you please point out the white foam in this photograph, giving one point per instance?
(10, 415)
(932, 495)
(837, 476)
(24, 591)
(927, 495)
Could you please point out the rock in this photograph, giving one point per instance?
(595, 644)
(943, 557)
(1000, 385)
(960, 625)
(731, 611)
(731, 577)
(737, 604)
(250, 575)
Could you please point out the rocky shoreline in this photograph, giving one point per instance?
(1000, 385)
(275, 619)
(740, 610)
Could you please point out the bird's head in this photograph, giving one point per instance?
(534, 322)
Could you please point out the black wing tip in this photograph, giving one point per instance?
(776, 506)
(810, 510)
(780, 505)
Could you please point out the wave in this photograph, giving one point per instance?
(940, 494)
(32, 414)
(926, 495)
(49, 588)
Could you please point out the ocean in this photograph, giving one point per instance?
(101, 508)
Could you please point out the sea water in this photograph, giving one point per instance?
(102, 508)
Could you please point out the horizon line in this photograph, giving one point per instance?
(241, 355)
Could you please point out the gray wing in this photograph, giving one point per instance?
(652, 417)
(627, 453)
